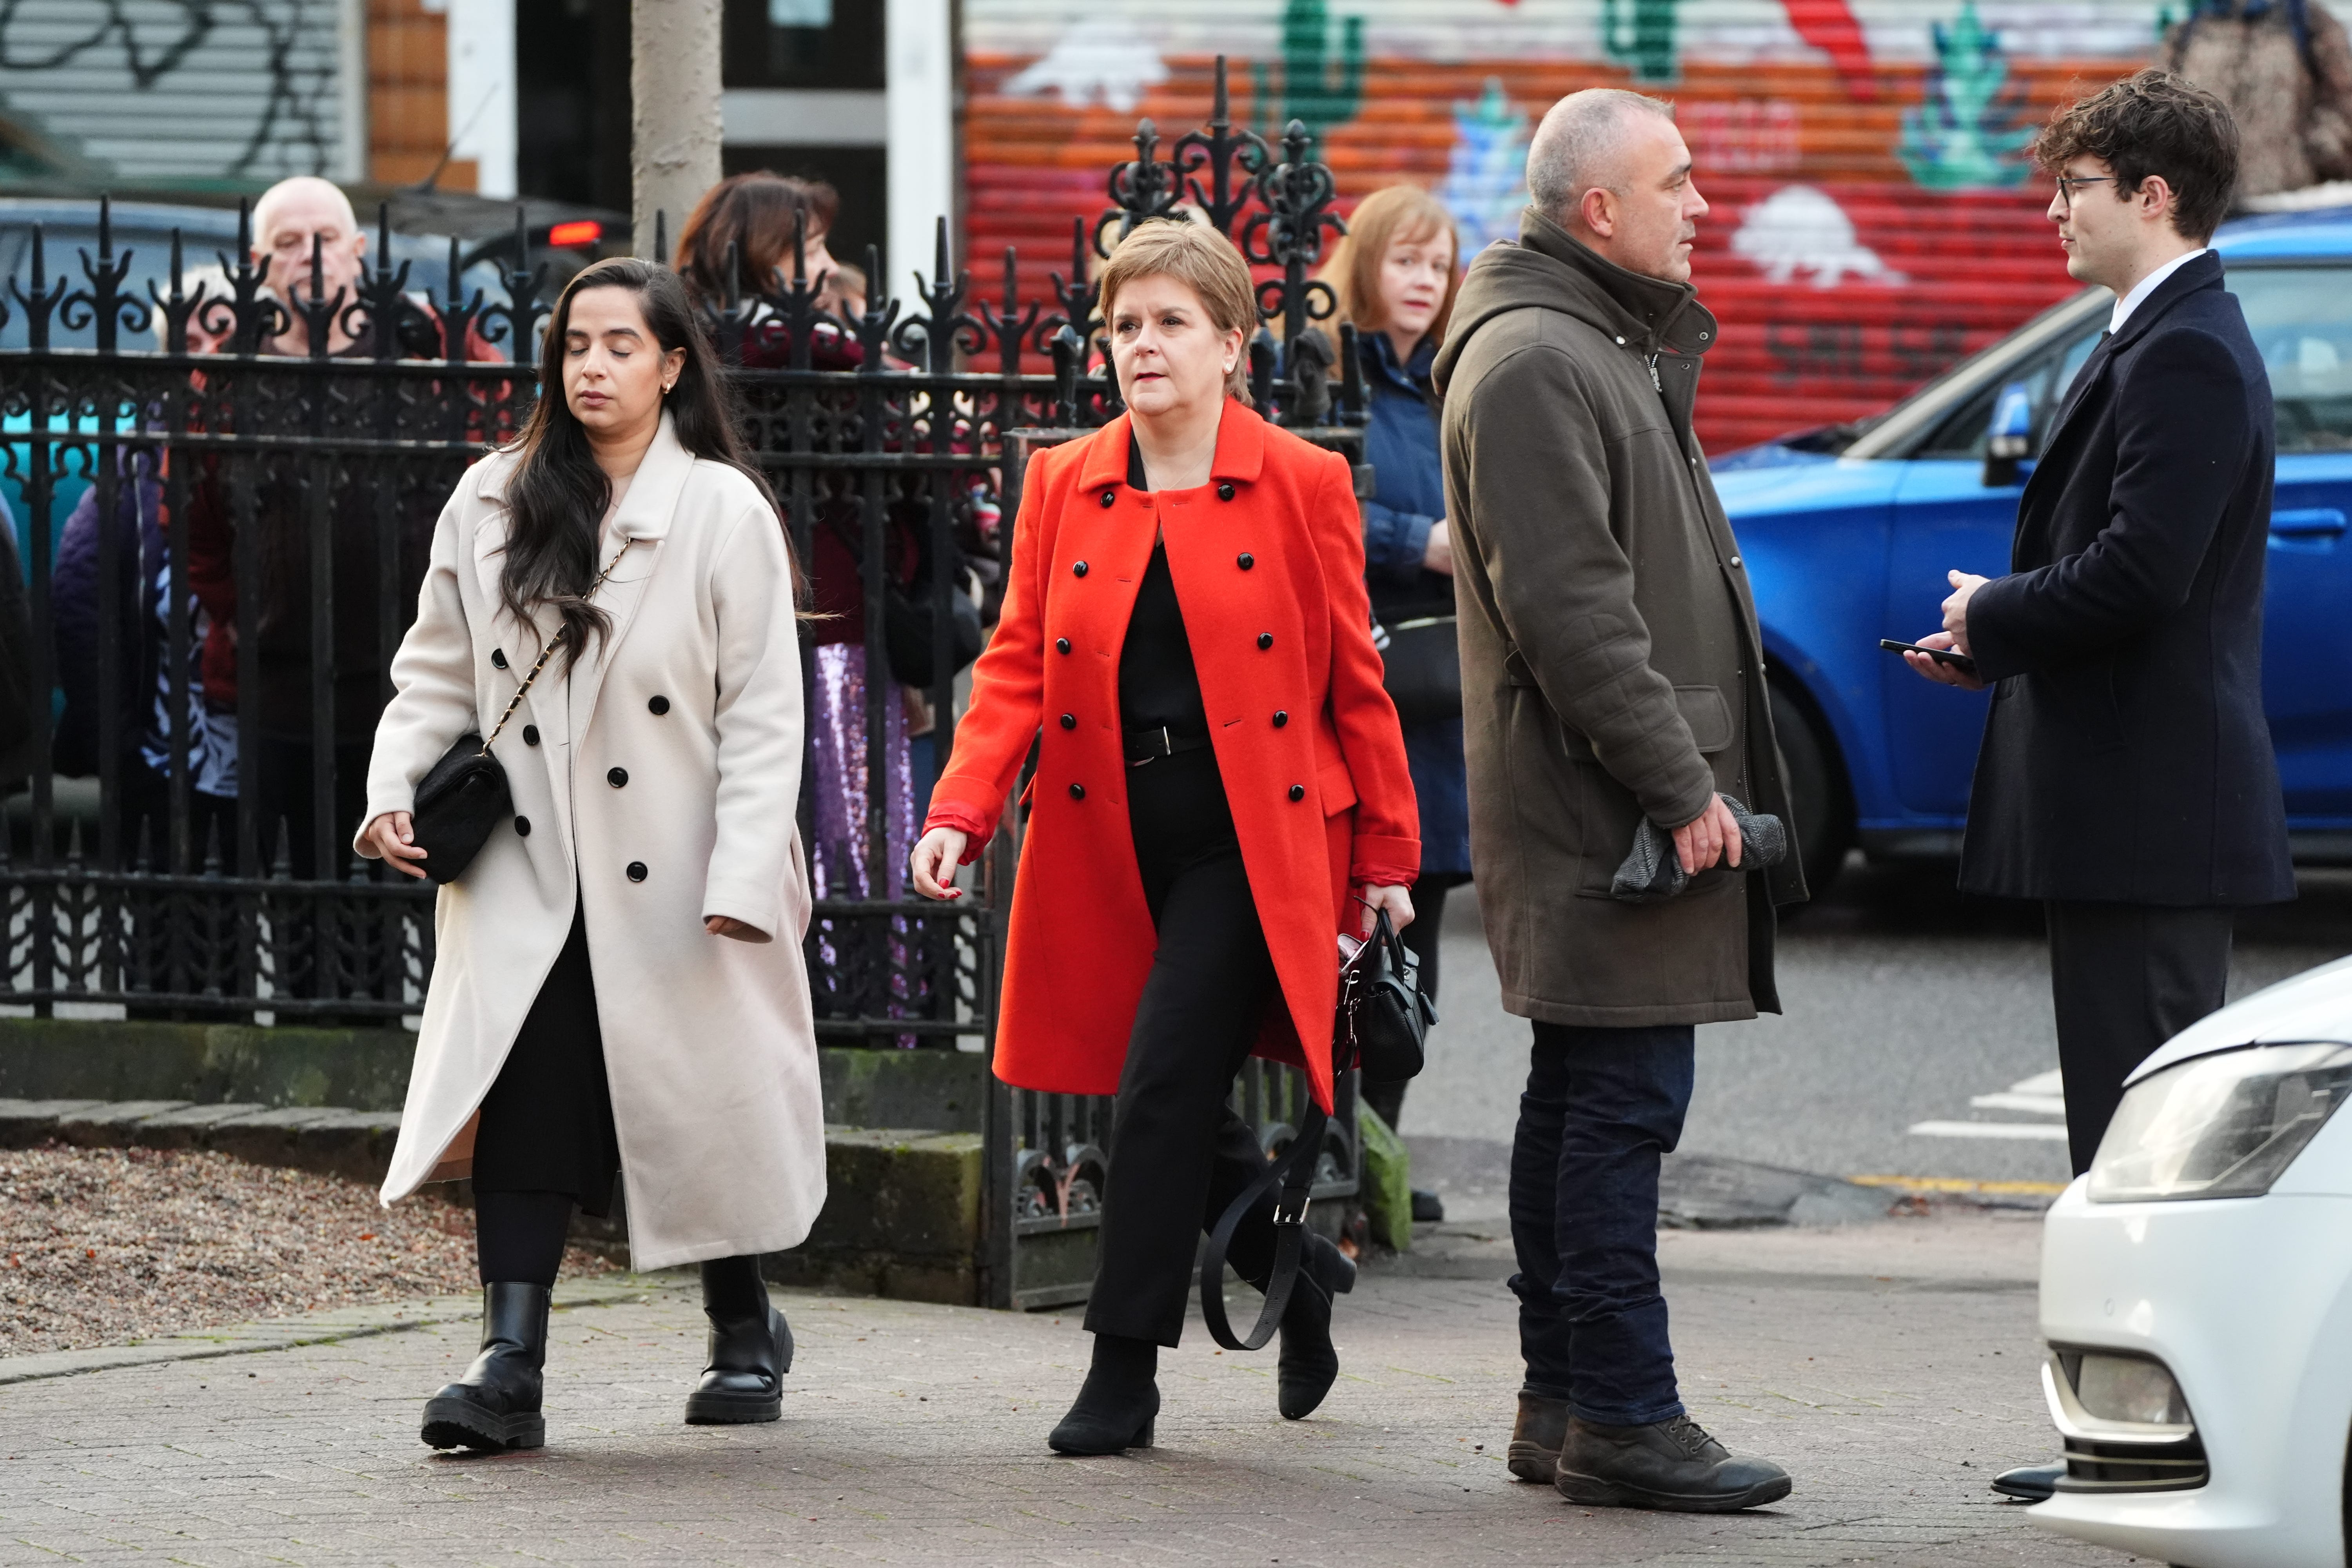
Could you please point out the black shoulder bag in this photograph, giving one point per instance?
(1381, 1022)
(465, 795)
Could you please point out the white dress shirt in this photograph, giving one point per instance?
(2147, 285)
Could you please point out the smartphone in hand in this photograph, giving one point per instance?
(1957, 661)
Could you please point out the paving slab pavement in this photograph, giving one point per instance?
(1890, 1365)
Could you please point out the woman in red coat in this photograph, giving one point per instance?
(1221, 778)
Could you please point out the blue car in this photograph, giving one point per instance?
(1849, 532)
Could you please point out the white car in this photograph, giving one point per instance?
(2197, 1296)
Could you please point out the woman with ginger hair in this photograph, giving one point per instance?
(1394, 275)
(1219, 781)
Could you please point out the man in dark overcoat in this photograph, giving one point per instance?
(1611, 671)
(2127, 778)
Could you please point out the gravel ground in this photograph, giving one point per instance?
(99, 1247)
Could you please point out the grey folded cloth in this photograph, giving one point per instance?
(1652, 872)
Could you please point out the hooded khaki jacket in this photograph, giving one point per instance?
(1611, 662)
(662, 790)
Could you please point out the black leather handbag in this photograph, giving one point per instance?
(1421, 668)
(462, 799)
(1387, 1014)
(1380, 1024)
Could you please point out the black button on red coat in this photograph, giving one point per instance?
(1109, 496)
(636, 872)
(1226, 491)
(1069, 720)
(1280, 718)
(1078, 568)
(1298, 792)
(1266, 639)
(1077, 792)
(1061, 645)
(1245, 561)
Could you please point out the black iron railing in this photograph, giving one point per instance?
(221, 551)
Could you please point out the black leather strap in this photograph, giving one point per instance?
(1295, 1171)
(1151, 745)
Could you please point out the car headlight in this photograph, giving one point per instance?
(2220, 1126)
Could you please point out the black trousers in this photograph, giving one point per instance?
(1421, 941)
(547, 1121)
(1180, 1154)
(2125, 978)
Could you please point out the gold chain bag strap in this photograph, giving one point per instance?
(463, 797)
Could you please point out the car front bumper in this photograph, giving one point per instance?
(2245, 1301)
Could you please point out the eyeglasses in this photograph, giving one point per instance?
(2067, 184)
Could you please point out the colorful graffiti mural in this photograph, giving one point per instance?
(1875, 211)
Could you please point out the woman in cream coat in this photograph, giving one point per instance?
(619, 985)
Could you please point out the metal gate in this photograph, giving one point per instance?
(220, 547)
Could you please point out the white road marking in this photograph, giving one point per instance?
(2041, 1104)
(2051, 1082)
(2045, 1129)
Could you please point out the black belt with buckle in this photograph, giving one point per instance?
(1151, 745)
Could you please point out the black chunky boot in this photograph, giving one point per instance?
(1309, 1365)
(1120, 1402)
(496, 1404)
(750, 1350)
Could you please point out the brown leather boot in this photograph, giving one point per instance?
(1536, 1437)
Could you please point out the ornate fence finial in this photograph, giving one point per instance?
(105, 305)
(259, 316)
(384, 293)
(1144, 188)
(1075, 294)
(942, 328)
(1010, 327)
(1297, 193)
(1220, 151)
(519, 317)
(177, 306)
(458, 311)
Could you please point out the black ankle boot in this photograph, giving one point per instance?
(750, 1353)
(1309, 1364)
(496, 1404)
(1673, 1465)
(1119, 1402)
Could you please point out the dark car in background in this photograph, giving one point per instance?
(1848, 533)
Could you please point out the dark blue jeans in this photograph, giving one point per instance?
(1602, 1106)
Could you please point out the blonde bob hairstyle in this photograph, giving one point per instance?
(1203, 260)
(1390, 215)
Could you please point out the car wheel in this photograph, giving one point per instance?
(1817, 797)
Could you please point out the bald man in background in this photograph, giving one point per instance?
(296, 223)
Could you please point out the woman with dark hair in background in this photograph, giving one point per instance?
(1395, 273)
(752, 216)
(619, 989)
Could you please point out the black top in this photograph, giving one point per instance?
(2125, 759)
(1157, 683)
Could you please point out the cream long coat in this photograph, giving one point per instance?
(708, 1041)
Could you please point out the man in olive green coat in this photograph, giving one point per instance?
(1611, 671)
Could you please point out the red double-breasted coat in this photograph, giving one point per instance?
(1268, 563)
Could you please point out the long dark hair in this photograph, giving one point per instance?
(557, 497)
